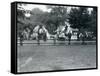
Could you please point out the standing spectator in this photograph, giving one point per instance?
(82, 36)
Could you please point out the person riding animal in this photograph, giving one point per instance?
(68, 32)
(41, 34)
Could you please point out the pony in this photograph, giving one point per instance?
(39, 33)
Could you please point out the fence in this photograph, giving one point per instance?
(55, 42)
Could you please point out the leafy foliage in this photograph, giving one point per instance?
(93, 22)
(79, 17)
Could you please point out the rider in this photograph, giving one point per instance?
(69, 33)
(41, 34)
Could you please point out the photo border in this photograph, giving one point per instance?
(15, 27)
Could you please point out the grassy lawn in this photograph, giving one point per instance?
(45, 58)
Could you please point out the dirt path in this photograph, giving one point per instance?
(46, 58)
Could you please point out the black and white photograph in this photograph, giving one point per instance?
(55, 37)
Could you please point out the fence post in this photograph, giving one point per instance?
(54, 41)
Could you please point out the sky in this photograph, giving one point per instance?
(32, 6)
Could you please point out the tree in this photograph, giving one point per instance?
(79, 17)
(38, 16)
(20, 10)
(93, 22)
(57, 17)
(20, 18)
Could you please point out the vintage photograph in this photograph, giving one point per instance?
(56, 37)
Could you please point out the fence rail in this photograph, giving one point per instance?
(57, 42)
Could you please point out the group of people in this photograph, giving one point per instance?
(37, 34)
(41, 34)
